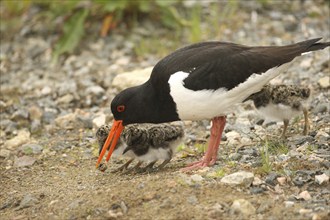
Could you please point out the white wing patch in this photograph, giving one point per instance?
(207, 104)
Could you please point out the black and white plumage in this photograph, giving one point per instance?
(203, 81)
(282, 102)
(145, 142)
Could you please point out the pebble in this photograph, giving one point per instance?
(288, 204)
(256, 190)
(123, 207)
(27, 201)
(242, 206)
(66, 99)
(320, 108)
(49, 116)
(66, 121)
(23, 136)
(304, 195)
(99, 120)
(235, 156)
(4, 153)
(95, 90)
(31, 148)
(320, 179)
(46, 90)
(257, 181)
(113, 214)
(20, 114)
(196, 178)
(133, 78)
(324, 82)
(264, 206)
(270, 179)
(35, 113)
(24, 161)
(239, 178)
(192, 200)
(281, 180)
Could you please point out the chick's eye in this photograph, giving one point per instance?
(121, 108)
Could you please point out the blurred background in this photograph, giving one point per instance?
(60, 56)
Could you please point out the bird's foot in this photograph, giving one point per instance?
(199, 164)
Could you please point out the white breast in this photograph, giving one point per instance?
(207, 104)
(278, 112)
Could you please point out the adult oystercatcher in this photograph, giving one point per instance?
(144, 142)
(282, 102)
(202, 81)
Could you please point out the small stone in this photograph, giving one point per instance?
(305, 211)
(95, 90)
(256, 190)
(233, 137)
(166, 204)
(24, 161)
(281, 180)
(320, 179)
(270, 179)
(257, 181)
(85, 121)
(123, 207)
(99, 120)
(235, 156)
(304, 195)
(324, 82)
(49, 116)
(288, 204)
(46, 90)
(35, 112)
(4, 153)
(31, 149)
(113, 214)
(242, 206)
(129, 79)
(20, 114)
(196, 178)
(192, 200)
(66, 121)
(321, 108)
(239, 178)
(66, 99)
(23, 136)
(264, 206)
(27, 201)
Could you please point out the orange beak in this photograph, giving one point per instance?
(112, 138)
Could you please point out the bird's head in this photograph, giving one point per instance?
(138, 104)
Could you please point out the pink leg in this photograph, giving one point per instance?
(210, 157)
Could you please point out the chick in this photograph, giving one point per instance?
(145, 142)
(282, 102)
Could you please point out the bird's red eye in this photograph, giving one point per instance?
(121, 108)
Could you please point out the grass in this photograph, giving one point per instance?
(266, 150)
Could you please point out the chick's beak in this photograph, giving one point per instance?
(113, 137)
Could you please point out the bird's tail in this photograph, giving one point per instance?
(312, 45)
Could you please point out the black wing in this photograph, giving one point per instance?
(214, 65)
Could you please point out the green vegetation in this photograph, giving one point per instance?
(268, 148)
(71, 19)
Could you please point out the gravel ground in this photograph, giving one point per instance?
(49, 115)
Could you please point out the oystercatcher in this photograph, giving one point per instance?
(202, 81)
(282, 102)
(144, 142)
